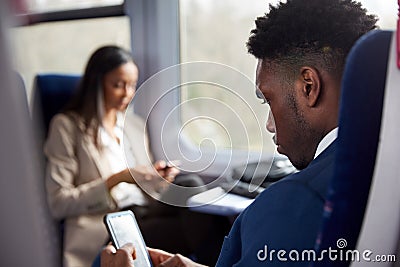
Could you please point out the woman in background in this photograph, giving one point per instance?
(86, 172)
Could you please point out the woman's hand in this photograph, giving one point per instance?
(154, 177)
(165, 170)
(119, 177)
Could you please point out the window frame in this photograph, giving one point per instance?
(70, 14)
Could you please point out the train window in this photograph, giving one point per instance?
(386, 12)
(63, 46)
(216, 31)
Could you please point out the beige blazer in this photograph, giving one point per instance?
(76, 191)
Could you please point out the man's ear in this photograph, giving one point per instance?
(311, 85)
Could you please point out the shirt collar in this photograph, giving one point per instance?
(101, 111)
(106, 139)
(326, 141)
(120, 120)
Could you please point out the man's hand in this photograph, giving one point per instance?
(164, 259)
(123, 257)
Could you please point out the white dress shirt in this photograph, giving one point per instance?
(326, 141)
(124, 194)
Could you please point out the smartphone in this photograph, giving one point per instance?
(123, 229)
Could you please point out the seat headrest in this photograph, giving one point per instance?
(52, 92)
(363, 87)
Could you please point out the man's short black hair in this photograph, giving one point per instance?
(298, 29)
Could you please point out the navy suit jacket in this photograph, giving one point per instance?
(286, 216)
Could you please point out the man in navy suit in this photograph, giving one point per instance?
(301, 47)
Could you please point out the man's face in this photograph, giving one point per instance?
(294, 136)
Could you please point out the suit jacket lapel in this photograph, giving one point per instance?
(135, 142)
(100, 161)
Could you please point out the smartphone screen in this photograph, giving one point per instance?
(123, 229)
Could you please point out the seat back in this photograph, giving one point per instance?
(51, 93)
(381, 226)
(360, 119)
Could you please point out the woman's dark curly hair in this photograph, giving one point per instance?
(299, 31)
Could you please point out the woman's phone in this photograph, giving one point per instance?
(123, 229)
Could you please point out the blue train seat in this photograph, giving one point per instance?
(51, 93)
(360, 140)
